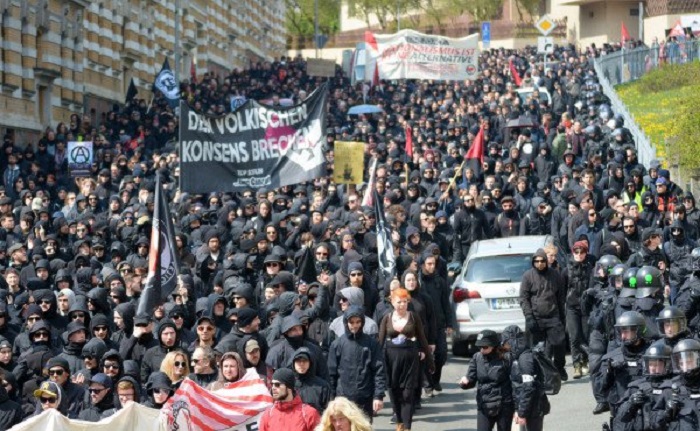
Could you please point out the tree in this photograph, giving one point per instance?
(300, 17)
(382, 10)
(480, 10)
(529, 7)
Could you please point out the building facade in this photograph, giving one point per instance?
(59, 57)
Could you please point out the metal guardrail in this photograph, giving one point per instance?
(629, 65)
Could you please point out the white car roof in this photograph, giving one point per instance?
(513, 245)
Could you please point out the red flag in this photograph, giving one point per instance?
(514, 73)
(624, 34)
(193, 72)
(475, 155)
(476, 151)
(409, 142)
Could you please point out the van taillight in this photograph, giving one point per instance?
(460, 294)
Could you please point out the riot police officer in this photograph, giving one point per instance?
(623, 364)
(600, 306)
(672, 325)
(636, 410)
(649, 296)
(681, 395)
(625, 299)
(688, 297)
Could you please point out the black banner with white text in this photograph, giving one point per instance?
(254, 146)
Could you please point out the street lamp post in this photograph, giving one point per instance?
(316, 26)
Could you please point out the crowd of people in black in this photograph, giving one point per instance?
(74, 253)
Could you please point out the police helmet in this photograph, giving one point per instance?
(608, 262)
(616, 274)
(695, 259)
(656, 361)
(671, 322)
(648, 281)
(629, 283)
(630, 327)
(686, 357)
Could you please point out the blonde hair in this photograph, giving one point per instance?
(168, 364)
(344, 407)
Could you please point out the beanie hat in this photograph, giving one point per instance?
(355, 266)
(285, 376)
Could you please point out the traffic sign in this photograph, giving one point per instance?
(485, 34)
(545, 45)
(545, 25)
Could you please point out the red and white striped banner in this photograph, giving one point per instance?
(237, 407)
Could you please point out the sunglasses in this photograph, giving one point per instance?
(356, 274)
(539, 261)
(205, 328)
(33, 319)
(40, 335)
(272, 264)
(45, 301)
(161, 391)
(56, 372)
(78, 316)
(89, 357)
(179, 364)
(238, 298)
(176, 316)
(95, 391)
(592, 215)
(577, 252)
(100, 328)
(277, 384)
(111, 366)
(45, 400)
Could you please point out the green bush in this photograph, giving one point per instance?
(670, 77)
(684, 139)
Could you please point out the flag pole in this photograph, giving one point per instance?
(150, 104)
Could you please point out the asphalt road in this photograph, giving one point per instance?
(454, 409)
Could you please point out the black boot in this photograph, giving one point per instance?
(601, 408)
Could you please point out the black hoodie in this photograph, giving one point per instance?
(312, 389)
(542, 292)
(356, 364)
(155, 355)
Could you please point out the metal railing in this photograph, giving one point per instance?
(628, 65)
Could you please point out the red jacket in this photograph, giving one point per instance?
(289, 415)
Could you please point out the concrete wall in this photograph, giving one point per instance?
(601, 22)
(556, 9)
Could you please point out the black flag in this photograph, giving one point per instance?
(385, 249)
(131, 92)
(165, 83)
(162, 259)
(306, 268)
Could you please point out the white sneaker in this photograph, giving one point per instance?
(429, 392)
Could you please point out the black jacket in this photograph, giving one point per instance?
(492, 375)
(577, 278)
(356, 364)
(438, 290)
(542, 293)
(312, 389)
(10, 411)
(95, 412)
(525, 375)
(617, 370)
(469, 226)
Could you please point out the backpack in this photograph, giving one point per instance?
(550, 377)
